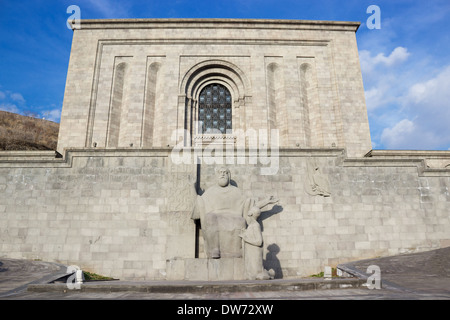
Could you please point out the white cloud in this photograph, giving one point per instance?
(428, 104)
(381, 77)
(396, 136)
(406, 110)
(365, 60)
(399, 55)
(17, 97)
(372, 93)
(369, 62)
(14, 96)
(15, 102)
(412, 135)
(12, 101)
(52, 115)
(382, 94)
(9, 107)
(374, 98)
(432, 93)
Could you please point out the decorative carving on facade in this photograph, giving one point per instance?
(316, 183)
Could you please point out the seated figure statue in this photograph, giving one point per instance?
(221, 210)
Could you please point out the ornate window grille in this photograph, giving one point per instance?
(214, 112)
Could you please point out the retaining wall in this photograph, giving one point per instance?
(125, 213)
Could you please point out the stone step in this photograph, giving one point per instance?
(203, 286)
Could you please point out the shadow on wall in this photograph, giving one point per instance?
(267, 214)
(272, 262)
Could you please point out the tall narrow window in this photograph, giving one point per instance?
(214, 112)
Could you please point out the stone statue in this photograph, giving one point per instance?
(221, 210)
(253, 248)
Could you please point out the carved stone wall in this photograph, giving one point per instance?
(126, 213)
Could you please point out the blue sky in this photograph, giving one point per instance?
(405, 63)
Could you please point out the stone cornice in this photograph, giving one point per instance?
(404, 154)
(51, 159)
(220, 23)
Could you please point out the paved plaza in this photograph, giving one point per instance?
(419, 276)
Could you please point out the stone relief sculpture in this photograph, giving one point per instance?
(316, 184)
(253, 248)
(221, 210)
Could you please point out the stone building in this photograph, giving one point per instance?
(133, 82)
(147, 99)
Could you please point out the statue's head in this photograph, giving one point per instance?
(223, 176)
(254, 212)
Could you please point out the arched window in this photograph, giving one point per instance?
(214, 111)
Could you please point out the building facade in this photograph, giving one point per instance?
(149, 106)
(133, 83)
